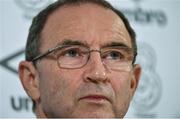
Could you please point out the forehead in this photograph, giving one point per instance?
(89, 23)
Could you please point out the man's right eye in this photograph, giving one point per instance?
(73, 52)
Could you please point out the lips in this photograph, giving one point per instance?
(95, 98)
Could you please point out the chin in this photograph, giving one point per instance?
(95, 114)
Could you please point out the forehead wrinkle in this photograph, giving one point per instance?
(116, 36)
(65, 32)
(70, 29)
(72, 42)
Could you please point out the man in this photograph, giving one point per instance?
(80, 61)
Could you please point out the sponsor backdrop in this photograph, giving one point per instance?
(157, 23)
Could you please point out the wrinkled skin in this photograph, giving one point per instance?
(59, 92)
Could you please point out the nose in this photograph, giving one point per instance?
(95, 70)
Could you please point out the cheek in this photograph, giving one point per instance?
(121, 83)
(55, 80)
(58, 89)
(73, 79)
(121, 86)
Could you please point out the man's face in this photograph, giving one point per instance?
(93, 90)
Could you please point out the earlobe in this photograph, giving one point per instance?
(29, 79)
(136, 77)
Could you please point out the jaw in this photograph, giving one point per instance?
(91, 109)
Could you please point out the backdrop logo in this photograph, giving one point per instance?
(150, 87)
(32, 7)
(143, 16)
(21, 103)
(6, 62)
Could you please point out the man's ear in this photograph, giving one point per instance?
(136, 77)
(30, 79)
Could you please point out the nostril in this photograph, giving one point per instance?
(93, 80)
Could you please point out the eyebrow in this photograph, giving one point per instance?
(76, 42)
(71, 42)
(114, 44)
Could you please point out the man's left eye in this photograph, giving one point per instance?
(113, 55)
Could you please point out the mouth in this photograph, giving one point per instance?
(95, 99)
